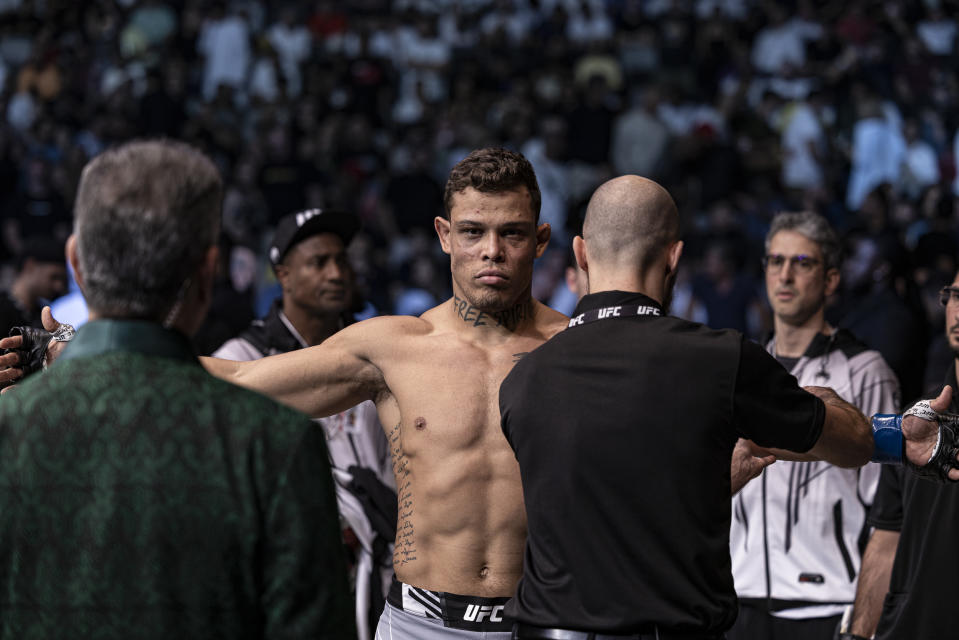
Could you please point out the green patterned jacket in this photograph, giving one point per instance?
(140, 497)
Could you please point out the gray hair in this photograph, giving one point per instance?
(146, 213)
(815, 228)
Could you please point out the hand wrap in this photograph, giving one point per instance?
(943, 457)
(33, 348)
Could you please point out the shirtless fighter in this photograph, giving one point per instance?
(435, 382)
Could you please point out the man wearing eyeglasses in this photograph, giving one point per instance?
(910, 570)
(795, 536)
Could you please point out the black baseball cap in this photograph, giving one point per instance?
(298, 226)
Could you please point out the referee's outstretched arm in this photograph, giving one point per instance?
(847, 436)
(846, 439)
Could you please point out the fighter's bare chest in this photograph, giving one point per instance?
(450, 393)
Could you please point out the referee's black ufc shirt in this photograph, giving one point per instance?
(624, 429)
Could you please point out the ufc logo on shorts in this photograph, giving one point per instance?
(478, 613)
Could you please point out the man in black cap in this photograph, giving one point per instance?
(41, 277)
(309, 258)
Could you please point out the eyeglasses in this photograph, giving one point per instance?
(773, 262)
(948, 294)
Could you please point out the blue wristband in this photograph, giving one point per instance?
(887, 438)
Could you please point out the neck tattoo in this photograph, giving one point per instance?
(507, 318)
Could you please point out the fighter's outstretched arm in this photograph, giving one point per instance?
(320, 380)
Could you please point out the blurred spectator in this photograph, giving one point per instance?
(267, 83)
(840, 101)
(21, 111)
(41, 77)
(937, 31)
(937, 244)
(872, 309)
(588, 23)
(225, 45)
(161, 108)
(282, 178)
(920, 162)
(803, 146)
(422, 56)
(728, 295)
(510, 17)
(413, 196)
(154, 21)
(292, 43)
(877, 151)
(37, 209)
(41, 276)
(779, 46)
(327, 20)
(640, 139)
(591, 123)
(547, 154)
(231, 309)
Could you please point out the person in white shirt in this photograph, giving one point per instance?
(803, 145)
(779, 45)
(796, 530)
(920, 164)
(877, 151)
(224, 43)
(293, 44)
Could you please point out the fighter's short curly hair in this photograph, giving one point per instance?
(493, 170)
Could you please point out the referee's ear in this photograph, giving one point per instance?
(579, 251)
(675, 251)
(70, 250)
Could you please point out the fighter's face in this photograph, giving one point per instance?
(797, 281)
(492, 240)
(952, 320)
(316, 275)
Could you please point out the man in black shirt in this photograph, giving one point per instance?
(624, 427)
(911, 557)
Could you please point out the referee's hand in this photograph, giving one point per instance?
(748, 461)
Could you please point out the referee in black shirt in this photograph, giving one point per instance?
(624, 427)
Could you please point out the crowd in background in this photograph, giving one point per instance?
(740, 108)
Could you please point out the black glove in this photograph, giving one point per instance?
(850, 636)
(944, 457)
(32, 350)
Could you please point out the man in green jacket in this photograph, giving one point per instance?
(140, 497)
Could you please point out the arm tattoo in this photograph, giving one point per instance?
(404, 550)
